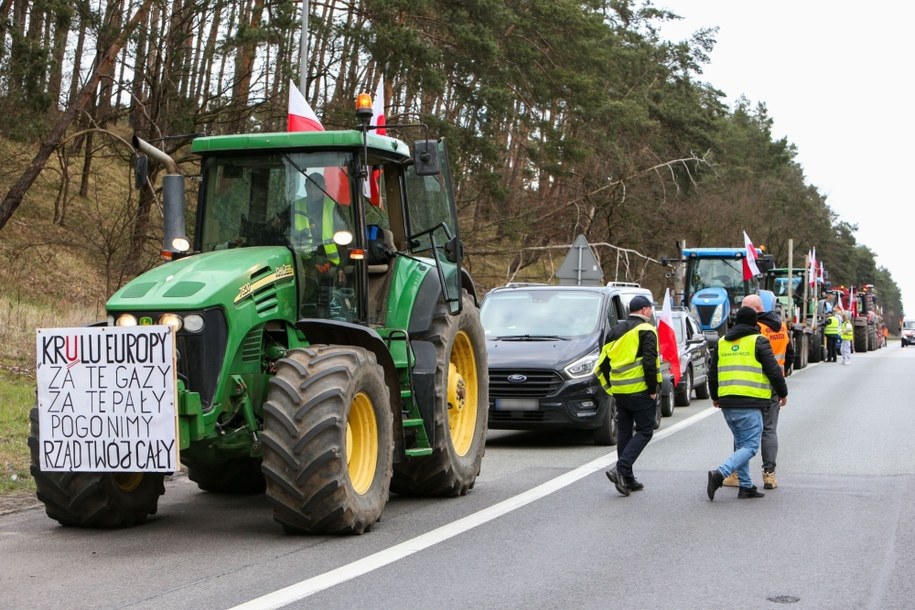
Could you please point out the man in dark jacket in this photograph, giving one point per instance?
(776, 331)
(742, 376)
(629, 368)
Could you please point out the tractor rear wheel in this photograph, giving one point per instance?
(94, 499)
(328, 441)
(461, 407)
(235, 476)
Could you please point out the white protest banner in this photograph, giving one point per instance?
(106, 399)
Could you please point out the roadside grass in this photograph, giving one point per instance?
(17, 396)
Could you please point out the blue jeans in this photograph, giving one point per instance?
(746, 425)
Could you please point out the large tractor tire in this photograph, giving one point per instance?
(328, 441)
(817, 350)
(235, 476)
(94, 499)
(860, 339)
(871, 338)
(461, 408)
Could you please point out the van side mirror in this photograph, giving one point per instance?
(425, 158)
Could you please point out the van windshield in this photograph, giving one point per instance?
(540, 314)
(909, 324)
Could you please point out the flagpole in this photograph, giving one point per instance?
(303, 62)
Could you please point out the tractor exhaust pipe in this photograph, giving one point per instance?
(174, 235)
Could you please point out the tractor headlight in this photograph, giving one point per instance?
(171, 320)
(717, 316)
(582, 367)
(193, 323)
(126, 319)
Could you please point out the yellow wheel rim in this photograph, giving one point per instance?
(361, 443)
(128, 481)
(462, 394)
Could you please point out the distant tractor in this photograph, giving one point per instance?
(329, 345)
(714, 284)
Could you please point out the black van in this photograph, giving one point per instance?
(542, 343)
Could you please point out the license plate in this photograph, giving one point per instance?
(517, 404)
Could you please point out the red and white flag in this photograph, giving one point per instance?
(301, 117)
(750, 270)
(371, 188)
(667, 338)
(812, 268)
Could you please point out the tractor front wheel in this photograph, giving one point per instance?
(328, 441)
(94, 499)
(461, 409)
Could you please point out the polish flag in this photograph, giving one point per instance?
(812, 268)
(301, 117)
(750, 270)
(667, 338)
(371, 187)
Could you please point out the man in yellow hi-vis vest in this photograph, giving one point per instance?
(776, 331)
(831, 331)
(315, 219)
(629, 368)
(742, 376)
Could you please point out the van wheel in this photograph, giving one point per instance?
(608, 432)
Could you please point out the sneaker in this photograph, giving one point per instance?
(769, 481)
(749, 492)
(731, 480)
(715, 480)
(634, 484)
(618, 481)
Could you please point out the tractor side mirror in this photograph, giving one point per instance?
(425, 158)
(141, 171)
(454, 250)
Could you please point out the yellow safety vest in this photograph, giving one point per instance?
(832, 326)
(848, 331)
(779, 340)
(739, 372)
(627, 375)
(302, 223)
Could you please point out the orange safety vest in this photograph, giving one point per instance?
(778, 339)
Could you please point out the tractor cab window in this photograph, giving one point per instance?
(432, 220)
(298, 200)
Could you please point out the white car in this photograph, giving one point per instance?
(907, 335)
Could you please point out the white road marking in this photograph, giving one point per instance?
(303, 589)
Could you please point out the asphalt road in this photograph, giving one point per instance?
(544, 528)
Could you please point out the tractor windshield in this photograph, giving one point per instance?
(299, 200)
(717, 272)
(296, 199)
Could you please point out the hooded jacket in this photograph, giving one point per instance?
(769, 365)
(771, 319)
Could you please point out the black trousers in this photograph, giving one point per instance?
(635, 414)
(831, 341)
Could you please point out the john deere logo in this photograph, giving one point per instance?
(517, 378)
(735, 348)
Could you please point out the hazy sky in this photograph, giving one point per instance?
(836, 79)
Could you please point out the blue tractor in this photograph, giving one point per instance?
(714, 284)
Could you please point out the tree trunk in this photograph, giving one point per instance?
(14, 196)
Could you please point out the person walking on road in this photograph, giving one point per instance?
(742, 376)
(629, 368)
(847, 334)
(772, 328)
(831, 330)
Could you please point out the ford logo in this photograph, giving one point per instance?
(517, 378)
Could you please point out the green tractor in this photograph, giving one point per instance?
(329, 345)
